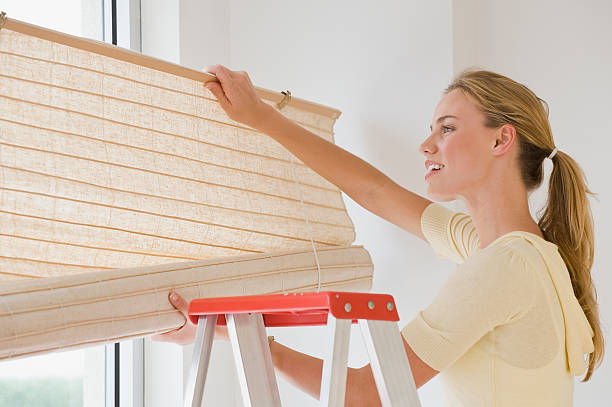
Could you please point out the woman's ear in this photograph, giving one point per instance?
(504, 139)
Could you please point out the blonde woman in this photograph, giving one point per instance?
(514, 321)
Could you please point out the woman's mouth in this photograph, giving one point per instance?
(433, 169)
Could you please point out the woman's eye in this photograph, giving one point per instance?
(446, 129)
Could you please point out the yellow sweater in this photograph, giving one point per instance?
(506, 328)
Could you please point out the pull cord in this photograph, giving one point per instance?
(284, 102)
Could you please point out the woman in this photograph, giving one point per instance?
(511, 325)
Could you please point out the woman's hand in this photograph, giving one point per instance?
(185, 335)
(238, 97)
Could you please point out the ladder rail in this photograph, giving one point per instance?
(389, 362)
(333, 380)
(205, 334)
(253, 360)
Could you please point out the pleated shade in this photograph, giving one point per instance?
(115, 167)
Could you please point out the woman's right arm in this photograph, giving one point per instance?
(361, 181)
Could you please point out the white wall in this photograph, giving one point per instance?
(384, 65)
(160, 29)
(562, 50)
(186, 32)
(193, 33)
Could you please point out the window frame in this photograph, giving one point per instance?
(124, 361)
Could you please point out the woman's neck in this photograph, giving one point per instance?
(500, 209)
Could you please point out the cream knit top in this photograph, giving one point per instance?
(506, 328)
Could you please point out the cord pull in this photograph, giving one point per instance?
(285, 101)
(2, 19)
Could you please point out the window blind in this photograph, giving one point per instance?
(121, 178)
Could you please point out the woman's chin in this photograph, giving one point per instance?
(439, 196)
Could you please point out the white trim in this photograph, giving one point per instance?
(132, 352)
(138, 359)
(163, 374)
(194, 34)
(107, 18)
(131, 378)
(109, 375)
(94, 376)
(128, 24)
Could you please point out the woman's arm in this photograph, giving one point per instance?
(304, 371)
(361, 181)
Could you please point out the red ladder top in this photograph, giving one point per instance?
(299, 308)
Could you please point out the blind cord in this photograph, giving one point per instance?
(308, 225)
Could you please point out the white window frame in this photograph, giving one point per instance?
(130, 367)
(121, 27)
(193, 34)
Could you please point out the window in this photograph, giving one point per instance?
(67, 379)
(99, 376)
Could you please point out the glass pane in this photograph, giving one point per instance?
(74, 378)
(76, 17)
(62, 379)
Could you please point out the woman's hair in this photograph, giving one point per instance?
(566, 220)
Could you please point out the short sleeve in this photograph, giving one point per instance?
(494, 287)
(451, 234)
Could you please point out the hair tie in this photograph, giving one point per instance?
(552, 154)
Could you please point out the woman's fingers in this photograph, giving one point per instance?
(236, 95)
(217, 90)
(221, 72)
(179, 303)
(165, 337)
(183, 335)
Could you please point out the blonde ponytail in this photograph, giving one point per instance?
(567, 221)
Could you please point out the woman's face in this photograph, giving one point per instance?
(460, 144)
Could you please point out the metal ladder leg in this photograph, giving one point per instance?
(389, 363)
(205, 334)
(253, 360)
(333, 381)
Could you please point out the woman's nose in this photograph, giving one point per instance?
(428, 146)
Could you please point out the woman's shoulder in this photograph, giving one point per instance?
(529, 246)
(514, 252)
(451, 234)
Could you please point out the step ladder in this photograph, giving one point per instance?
(246, 318)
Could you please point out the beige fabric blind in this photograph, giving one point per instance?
(113, 164)
(88, 308)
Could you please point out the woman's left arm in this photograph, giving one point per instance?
(304, 372)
